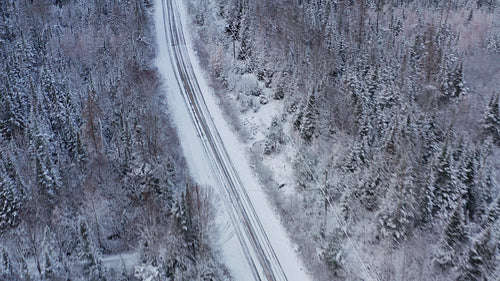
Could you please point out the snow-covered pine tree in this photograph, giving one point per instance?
(53, 267)
(9, 203)
(458, 83)
(14, 109)
(485, 183)
(491, 119)
(54, 100)
(493, 213)
(453, 238)
(91, 263)
(433, 139)
(399, 208)
(180, 263)
(304, 160)
(456, 230)
(481, 261)
(85, 247)
(357, 156)
(305, 121)
(426, 205)
(46, 177)
(467, 175)
(446, 194)
(245, 51)
(78, 151)
(452, 80)
(180, 214)
(275, 137)
(369, 192)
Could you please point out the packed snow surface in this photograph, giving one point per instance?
(253, 243)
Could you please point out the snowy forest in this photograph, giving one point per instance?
(374, 126)
(90, 164)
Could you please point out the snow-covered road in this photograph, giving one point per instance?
(254, 245)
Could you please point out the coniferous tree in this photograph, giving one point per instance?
(459, 88)
(53, 267)
(456, 232)
(405, 200)
(14, 101)
(193, 237)
(426, 205)
(305, 122)
(46, 177)
(454, 236)
(92, 265)
(370, 190)
(245, 51)
(453, 84)
(446, 193)
(9, 203)
(493, 213)
(467, 176)
(85, 247)
(481, 260)
(357, 157)
(302, 165)
(433, 138)
(275, 137)
(491, 119)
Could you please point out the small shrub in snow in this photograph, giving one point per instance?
(275, 137)
(249, 86)
(265, 76)
(263, 100)
(247, 102)
(279, 94)
(146, 272)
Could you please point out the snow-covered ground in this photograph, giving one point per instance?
(127, 260)
(236, 243)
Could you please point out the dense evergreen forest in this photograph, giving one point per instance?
(384, 113)
(388, 113)
(90, 165)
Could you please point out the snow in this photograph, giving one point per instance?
(146, 273)
(194, 153)
(129, 260)
(200, 165)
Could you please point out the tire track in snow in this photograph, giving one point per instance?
(257, 248)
